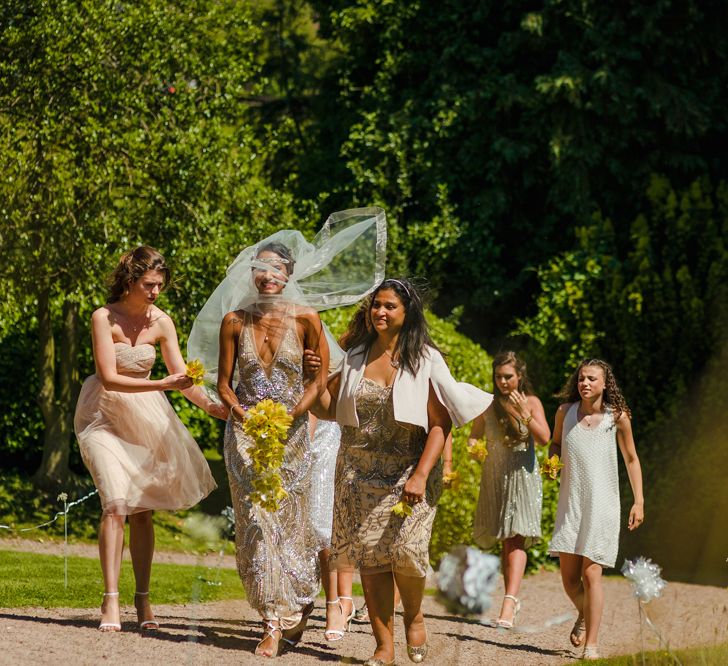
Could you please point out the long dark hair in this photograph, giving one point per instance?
(131, 267)
(414, 338)
(524, 386)
(612, 393)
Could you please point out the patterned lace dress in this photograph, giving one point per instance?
(374, 462)
(587, 517)
(276, 552)
(139, 453)
(510, 488)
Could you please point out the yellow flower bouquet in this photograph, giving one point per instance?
(267, 425)
(402, 509)
(195, 371)
(479, 450)
(551, 466)
(451, 481)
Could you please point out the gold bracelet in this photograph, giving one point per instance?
(528, 420)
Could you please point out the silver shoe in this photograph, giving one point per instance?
(378, 662)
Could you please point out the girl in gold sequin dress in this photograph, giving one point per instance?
(139, 453)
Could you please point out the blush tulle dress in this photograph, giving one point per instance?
(139, 453)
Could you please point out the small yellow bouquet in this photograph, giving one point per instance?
(195, 371)
(551, 466)
(451, 480)
(479, 450)
(402, 509)
(267, 425)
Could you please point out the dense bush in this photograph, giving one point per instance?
(650, 302)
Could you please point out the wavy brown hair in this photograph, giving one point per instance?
(524, 386)
(414, 337)
(132, 266)
(612, 393)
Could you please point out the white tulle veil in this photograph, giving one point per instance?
(343, 263)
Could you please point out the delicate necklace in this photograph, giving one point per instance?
(266, 330)
(392, 362)
(137, 327)
(584, 415)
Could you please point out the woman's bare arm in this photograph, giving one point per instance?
(229, 336)
(440, 425)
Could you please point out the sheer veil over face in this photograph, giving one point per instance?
(343, 263)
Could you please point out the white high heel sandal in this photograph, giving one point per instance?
(147, 625)
(508, 624)
(334, 635)
(108, 627)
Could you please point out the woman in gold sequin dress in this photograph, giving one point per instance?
(276, 551)
(139, 453)
(509, 504)
(396, 400)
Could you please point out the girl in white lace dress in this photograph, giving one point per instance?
(589, 426)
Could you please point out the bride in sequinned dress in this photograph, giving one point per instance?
(276, 551)
(259, 318)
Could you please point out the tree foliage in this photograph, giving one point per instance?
(121, 124)
(651, 306)
(489, 131)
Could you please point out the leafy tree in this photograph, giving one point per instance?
(121, 123)
(489, 131)
(655, 307)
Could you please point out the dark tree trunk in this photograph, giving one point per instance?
(57, 397)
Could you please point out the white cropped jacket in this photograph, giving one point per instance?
(410, 392)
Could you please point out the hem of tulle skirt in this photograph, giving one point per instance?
(126, 510)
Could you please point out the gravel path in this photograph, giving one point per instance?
(227, 632)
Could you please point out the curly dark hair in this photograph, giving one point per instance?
(524, 386)
(132, 266)
(612, 394)
(414, 337)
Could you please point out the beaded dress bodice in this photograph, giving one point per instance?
(282, 379)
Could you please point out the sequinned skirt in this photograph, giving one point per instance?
(276, 552)
(366, 534)
(510, 496)
(325, 446)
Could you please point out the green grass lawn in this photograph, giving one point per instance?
(712, 655)
(29, 579)
(22, 505)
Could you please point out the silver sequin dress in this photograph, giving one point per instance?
(325, 446)
(510, 489)
(276, 552)
(587, 517)
(374, 462)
